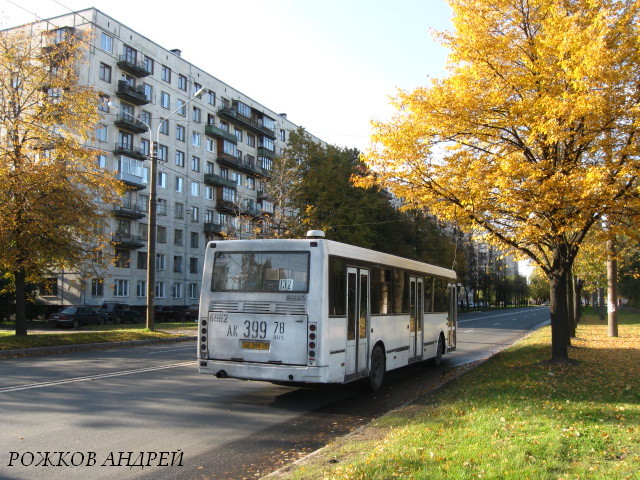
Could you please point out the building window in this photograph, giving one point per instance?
(195, 189)
(161, 234)
(195, 163)
(193, 291)
(195, 214)
(160, 261)
(181, 107)
(130, 54)
(176, 290)
(166, 74)
(195, 139)
(251, 183)
(251, 140)
(162, 180)
(148, 92)
(163, 153)
(102, 161)
(105, 72)
(106, 43)
(49, 287)
(178, 236)
(97, 287)
(212, 98)
(182, 82)
(103, 106)
(165, 100)
(208, 192)
(238, 133)
(196, 87)
(145, 146)
(197, 115)
(194, 240)
(160, 293)
(162, 206)
(243, 109)
(142, 261)
(122, 258)
(164, 127)
(180, 132)
(266, 142)
(179, 184)
(283, 135)
(179, 210)
(141, 288)
(179, 158)
(210, 145)
(148, 64)
(229, 148)
(101, 133)
(193, 265)
(177, 263)
(121, 288)
(209, 216)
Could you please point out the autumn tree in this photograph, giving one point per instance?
(531, 136)
(51, 187)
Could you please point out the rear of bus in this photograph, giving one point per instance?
(258, 316)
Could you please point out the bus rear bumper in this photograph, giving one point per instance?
(264, 371)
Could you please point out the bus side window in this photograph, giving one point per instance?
(441, 296)
(337, 287)
(428, 294)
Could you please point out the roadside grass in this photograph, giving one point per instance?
(517, 416)
(91, 334)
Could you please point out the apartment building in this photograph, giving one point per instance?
(214, 157)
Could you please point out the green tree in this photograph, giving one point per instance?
(532, 136)
(52, 190)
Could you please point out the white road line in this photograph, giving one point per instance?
(173, 350)
(488, 316)
(93, 377)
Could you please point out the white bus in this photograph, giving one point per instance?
(318, 311)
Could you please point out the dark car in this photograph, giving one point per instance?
(169, 313)
(117, 312)
(190, 314)
(76, 315)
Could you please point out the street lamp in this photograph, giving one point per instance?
(151, 232)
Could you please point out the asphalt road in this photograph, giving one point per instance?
(115, 411)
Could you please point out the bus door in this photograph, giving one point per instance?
(357, 359)
(415, 319)
(452, 320)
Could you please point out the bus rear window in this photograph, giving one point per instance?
(260, 272)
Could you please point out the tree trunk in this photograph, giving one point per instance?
(21, 318)
(612, 289)
(578, 284)
(601, 304)
(558, 311)
(571, 320)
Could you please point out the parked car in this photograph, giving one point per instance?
(169, 313)
(190, 314)
(76, 315)
(117, 312)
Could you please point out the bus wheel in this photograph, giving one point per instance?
(437, 360)
(376, 372)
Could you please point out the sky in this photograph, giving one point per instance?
(330, 65)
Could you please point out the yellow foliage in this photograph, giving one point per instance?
(53, 195)
(532, 135)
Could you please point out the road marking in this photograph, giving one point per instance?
(173, 350)
(93, 377)
(483, 318)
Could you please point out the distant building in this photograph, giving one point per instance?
(214, 161)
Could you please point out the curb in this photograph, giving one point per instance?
(31, 352)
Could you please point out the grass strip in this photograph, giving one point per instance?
(8, 340)
(515, 417)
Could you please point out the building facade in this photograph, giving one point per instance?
(214, 157)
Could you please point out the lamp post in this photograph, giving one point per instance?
(151, 232)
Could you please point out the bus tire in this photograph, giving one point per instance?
(377, 369)
(437, 360)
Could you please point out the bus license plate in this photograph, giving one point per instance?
(255, 345)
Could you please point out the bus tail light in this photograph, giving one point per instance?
(203, 339)
(312, 346)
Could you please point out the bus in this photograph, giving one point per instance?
(314, 310)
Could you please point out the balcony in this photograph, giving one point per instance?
(218, 132)
(265, 152)
(218, 181)
(129, 65)
(227, 206)
(131, 94)
(231, 114)
(129, 150)
(133, 181)
(246, 164)
(215, 228)
(130, 123)
(124, 240)
(128, 211)
(262, 195)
